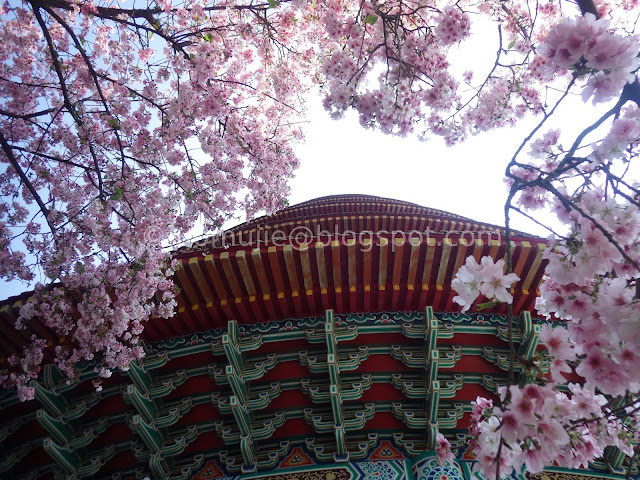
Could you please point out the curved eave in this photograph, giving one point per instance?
(347, 273)
(351, 253)
(328, 214)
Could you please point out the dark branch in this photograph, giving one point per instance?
(588, 6)
(27, 116)
(13, 161)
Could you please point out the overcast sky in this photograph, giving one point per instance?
(341, 157)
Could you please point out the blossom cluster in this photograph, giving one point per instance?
(453, 26)
(121, 137)
(591, 285)
(443, 449)
(538, 426)
(585, 45)
(623, 135)
(418, 89)
(486, 278)
(590, 293)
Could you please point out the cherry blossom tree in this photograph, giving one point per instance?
(123, 124)
(120, 128)
(591, 287)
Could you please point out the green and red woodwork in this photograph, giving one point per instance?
(321, 342)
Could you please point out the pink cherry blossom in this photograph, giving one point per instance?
(557, 342)
(587, 46)
(494, 282)
(443, 450)
(454, 26)
(537, 427)
(488, 278)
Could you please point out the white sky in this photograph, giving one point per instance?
(341, 157)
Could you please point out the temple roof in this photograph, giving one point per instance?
(352, 253)
(327, 327)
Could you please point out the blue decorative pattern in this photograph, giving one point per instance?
(380, 470)
(429, 469)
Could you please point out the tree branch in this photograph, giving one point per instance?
(13, 161)
(28, 116)
(146, 13)
(65, 93)
(588, 6)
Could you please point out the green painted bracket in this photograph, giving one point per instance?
(61, 431)
(68, 461)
